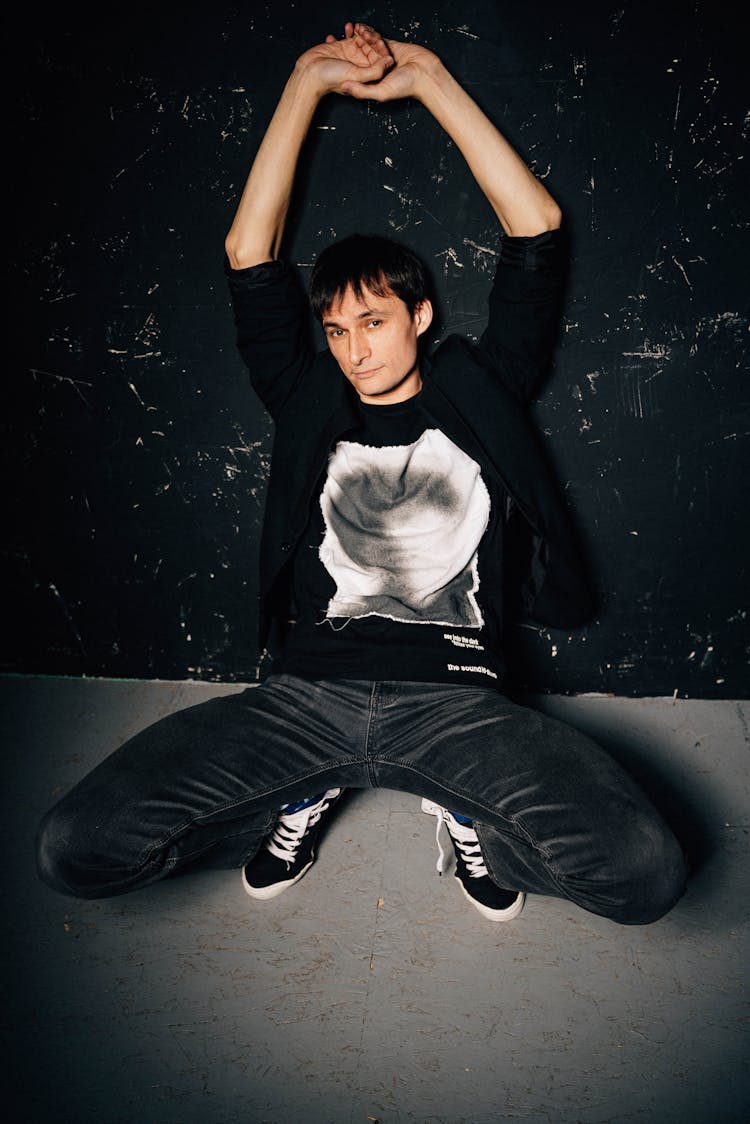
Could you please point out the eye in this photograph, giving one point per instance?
(374, 323)
(334, 333)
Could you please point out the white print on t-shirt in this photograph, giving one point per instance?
(463, 641)
(402, 527)
(472, 667)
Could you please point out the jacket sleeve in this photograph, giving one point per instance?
(524, 310)
(271, 319)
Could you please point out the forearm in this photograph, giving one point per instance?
(256, 232)
(258, 226)
(522, 204)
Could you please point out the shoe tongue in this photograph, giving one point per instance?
(299, 805)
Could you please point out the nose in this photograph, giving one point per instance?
(359, 349)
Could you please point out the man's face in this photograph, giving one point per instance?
(374, 341)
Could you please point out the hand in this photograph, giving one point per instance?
(356, 60)
(402, 80)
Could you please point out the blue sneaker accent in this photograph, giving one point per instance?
(298, 805)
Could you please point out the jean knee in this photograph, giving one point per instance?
(60, 862)
(673, 870)
(657, 881)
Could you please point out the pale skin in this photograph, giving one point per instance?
(374, 339)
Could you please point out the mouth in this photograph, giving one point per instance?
(365, 374)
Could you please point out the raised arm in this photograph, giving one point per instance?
(258, 225)
(522, 204)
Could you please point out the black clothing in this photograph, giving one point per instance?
(476, 395)
(397, 573)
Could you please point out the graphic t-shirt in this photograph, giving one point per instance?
(397, 575)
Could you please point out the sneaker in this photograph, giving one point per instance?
(289, 851)
(485, 895)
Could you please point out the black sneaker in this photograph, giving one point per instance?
(490, 899)
(289, 851)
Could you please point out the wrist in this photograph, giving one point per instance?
(433, 78)
(306, 78)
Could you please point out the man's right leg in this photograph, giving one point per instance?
(202, 787)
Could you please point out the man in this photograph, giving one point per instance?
(406, 495)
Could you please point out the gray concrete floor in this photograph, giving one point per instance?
(372, 990)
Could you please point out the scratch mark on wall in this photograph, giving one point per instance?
(411, 27)
(148, 333)
(483, 257)
(707, 327)
(87, 505)
(135, 392)
(67, 614)
(482, 249)
(75, 383)
(615, 20)
(637, 394)
(682, 271)
(650, 351)
(129, 166)
(449, 255)
(676, 108)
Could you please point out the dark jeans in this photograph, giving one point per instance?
(554, 813)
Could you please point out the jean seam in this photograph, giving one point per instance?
(158, 845)
(439, 781)
(169, 864)
(540, 849)
(370, 731)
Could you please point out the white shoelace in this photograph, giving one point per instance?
(466, 841)
(291, 827)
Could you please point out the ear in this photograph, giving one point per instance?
(423, 316)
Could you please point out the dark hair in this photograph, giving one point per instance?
(366, 260)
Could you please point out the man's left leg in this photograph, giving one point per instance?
(553, 812)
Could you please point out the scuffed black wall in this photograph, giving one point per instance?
(136, 458)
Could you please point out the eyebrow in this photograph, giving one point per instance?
(367, 312)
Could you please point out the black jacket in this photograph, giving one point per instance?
(477, 395)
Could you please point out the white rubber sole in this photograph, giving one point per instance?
(508, 914)
(265, 893)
